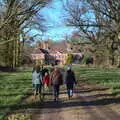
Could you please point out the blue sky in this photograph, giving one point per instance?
(54, 15)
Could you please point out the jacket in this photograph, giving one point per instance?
(46, 80)
(70, 77)
(36, 78)
(56, 78)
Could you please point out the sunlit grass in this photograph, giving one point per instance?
(107, 77)
(13, 87)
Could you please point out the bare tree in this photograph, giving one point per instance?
(16, 16)
(98, 20)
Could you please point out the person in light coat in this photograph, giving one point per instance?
(37, 81)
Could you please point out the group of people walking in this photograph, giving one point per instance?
(43, 79)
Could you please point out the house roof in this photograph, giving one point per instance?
(40, 51)
(60, 47)
(44, 51)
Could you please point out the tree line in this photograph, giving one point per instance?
(17, 18)
(99, 22)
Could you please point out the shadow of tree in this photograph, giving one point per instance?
(7, 69)
(65, 104)
(15, 94)
(90, 90)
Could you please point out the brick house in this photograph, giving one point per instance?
(60, 57)
(39, 55)
(52, 53)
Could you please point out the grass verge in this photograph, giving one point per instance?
(108, 77)
(13, 88)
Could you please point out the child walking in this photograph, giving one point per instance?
(46, 81)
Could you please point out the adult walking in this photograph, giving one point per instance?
(70, 81)
(37, 81)
(56, 80)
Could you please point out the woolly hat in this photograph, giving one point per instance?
(69, 68)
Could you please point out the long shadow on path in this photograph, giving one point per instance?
(72, 103)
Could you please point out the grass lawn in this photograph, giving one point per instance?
(107, 77)
(13, 87)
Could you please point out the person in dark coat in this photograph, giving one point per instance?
(70, 81)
